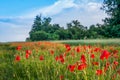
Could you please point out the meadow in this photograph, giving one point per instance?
(101, 42)
(60, 60)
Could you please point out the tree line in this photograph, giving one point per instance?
(42, 29)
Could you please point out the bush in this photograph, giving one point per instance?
(39, 35)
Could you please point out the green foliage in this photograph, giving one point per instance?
(37, 24)
(39, 35)
(112, 8)
(42, 28)
(113, 31)
(53, 37)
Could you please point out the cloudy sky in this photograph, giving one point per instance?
(16, 16)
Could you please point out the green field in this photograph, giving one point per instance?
(92, 42)
(83, 60)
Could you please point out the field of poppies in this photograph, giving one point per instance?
(57, 61)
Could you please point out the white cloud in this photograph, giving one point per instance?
(87, 13)
(13, 32)
(93, 6)
(14, 28)
(54, 9)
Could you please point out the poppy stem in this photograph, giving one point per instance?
(85, 74)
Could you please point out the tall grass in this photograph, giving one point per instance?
(53, 61)
(92, 42)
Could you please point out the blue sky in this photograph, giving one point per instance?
(16, 7)
(16, 16)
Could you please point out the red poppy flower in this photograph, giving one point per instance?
(97, 49)
(27, 55)
(105, 55)
(71, 68)
(68, 48)
(28, 52)
(17, 58)
(115, 51)
(56, 58)
(83, 59)
(107, 63)
(99, 72)
(62, 60)
(19, 48)
(82, 66)
(115, 63)
(92, 56)
(41, 57)
(67, 45)
(51, 52)
(61, 56)
(89, 46)
(78, 49)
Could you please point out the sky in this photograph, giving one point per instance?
(17, 16)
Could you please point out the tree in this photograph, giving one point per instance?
(112, 8)
(53, 37)
(112, 23)
(39, 35)
(37, 24)
(92, 32)
(63, 34)
(40, 28)
(76, 30)
(46, 24)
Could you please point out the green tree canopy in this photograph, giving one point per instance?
(112, 8)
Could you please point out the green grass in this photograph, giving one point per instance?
(48, 69)
(92, 42)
